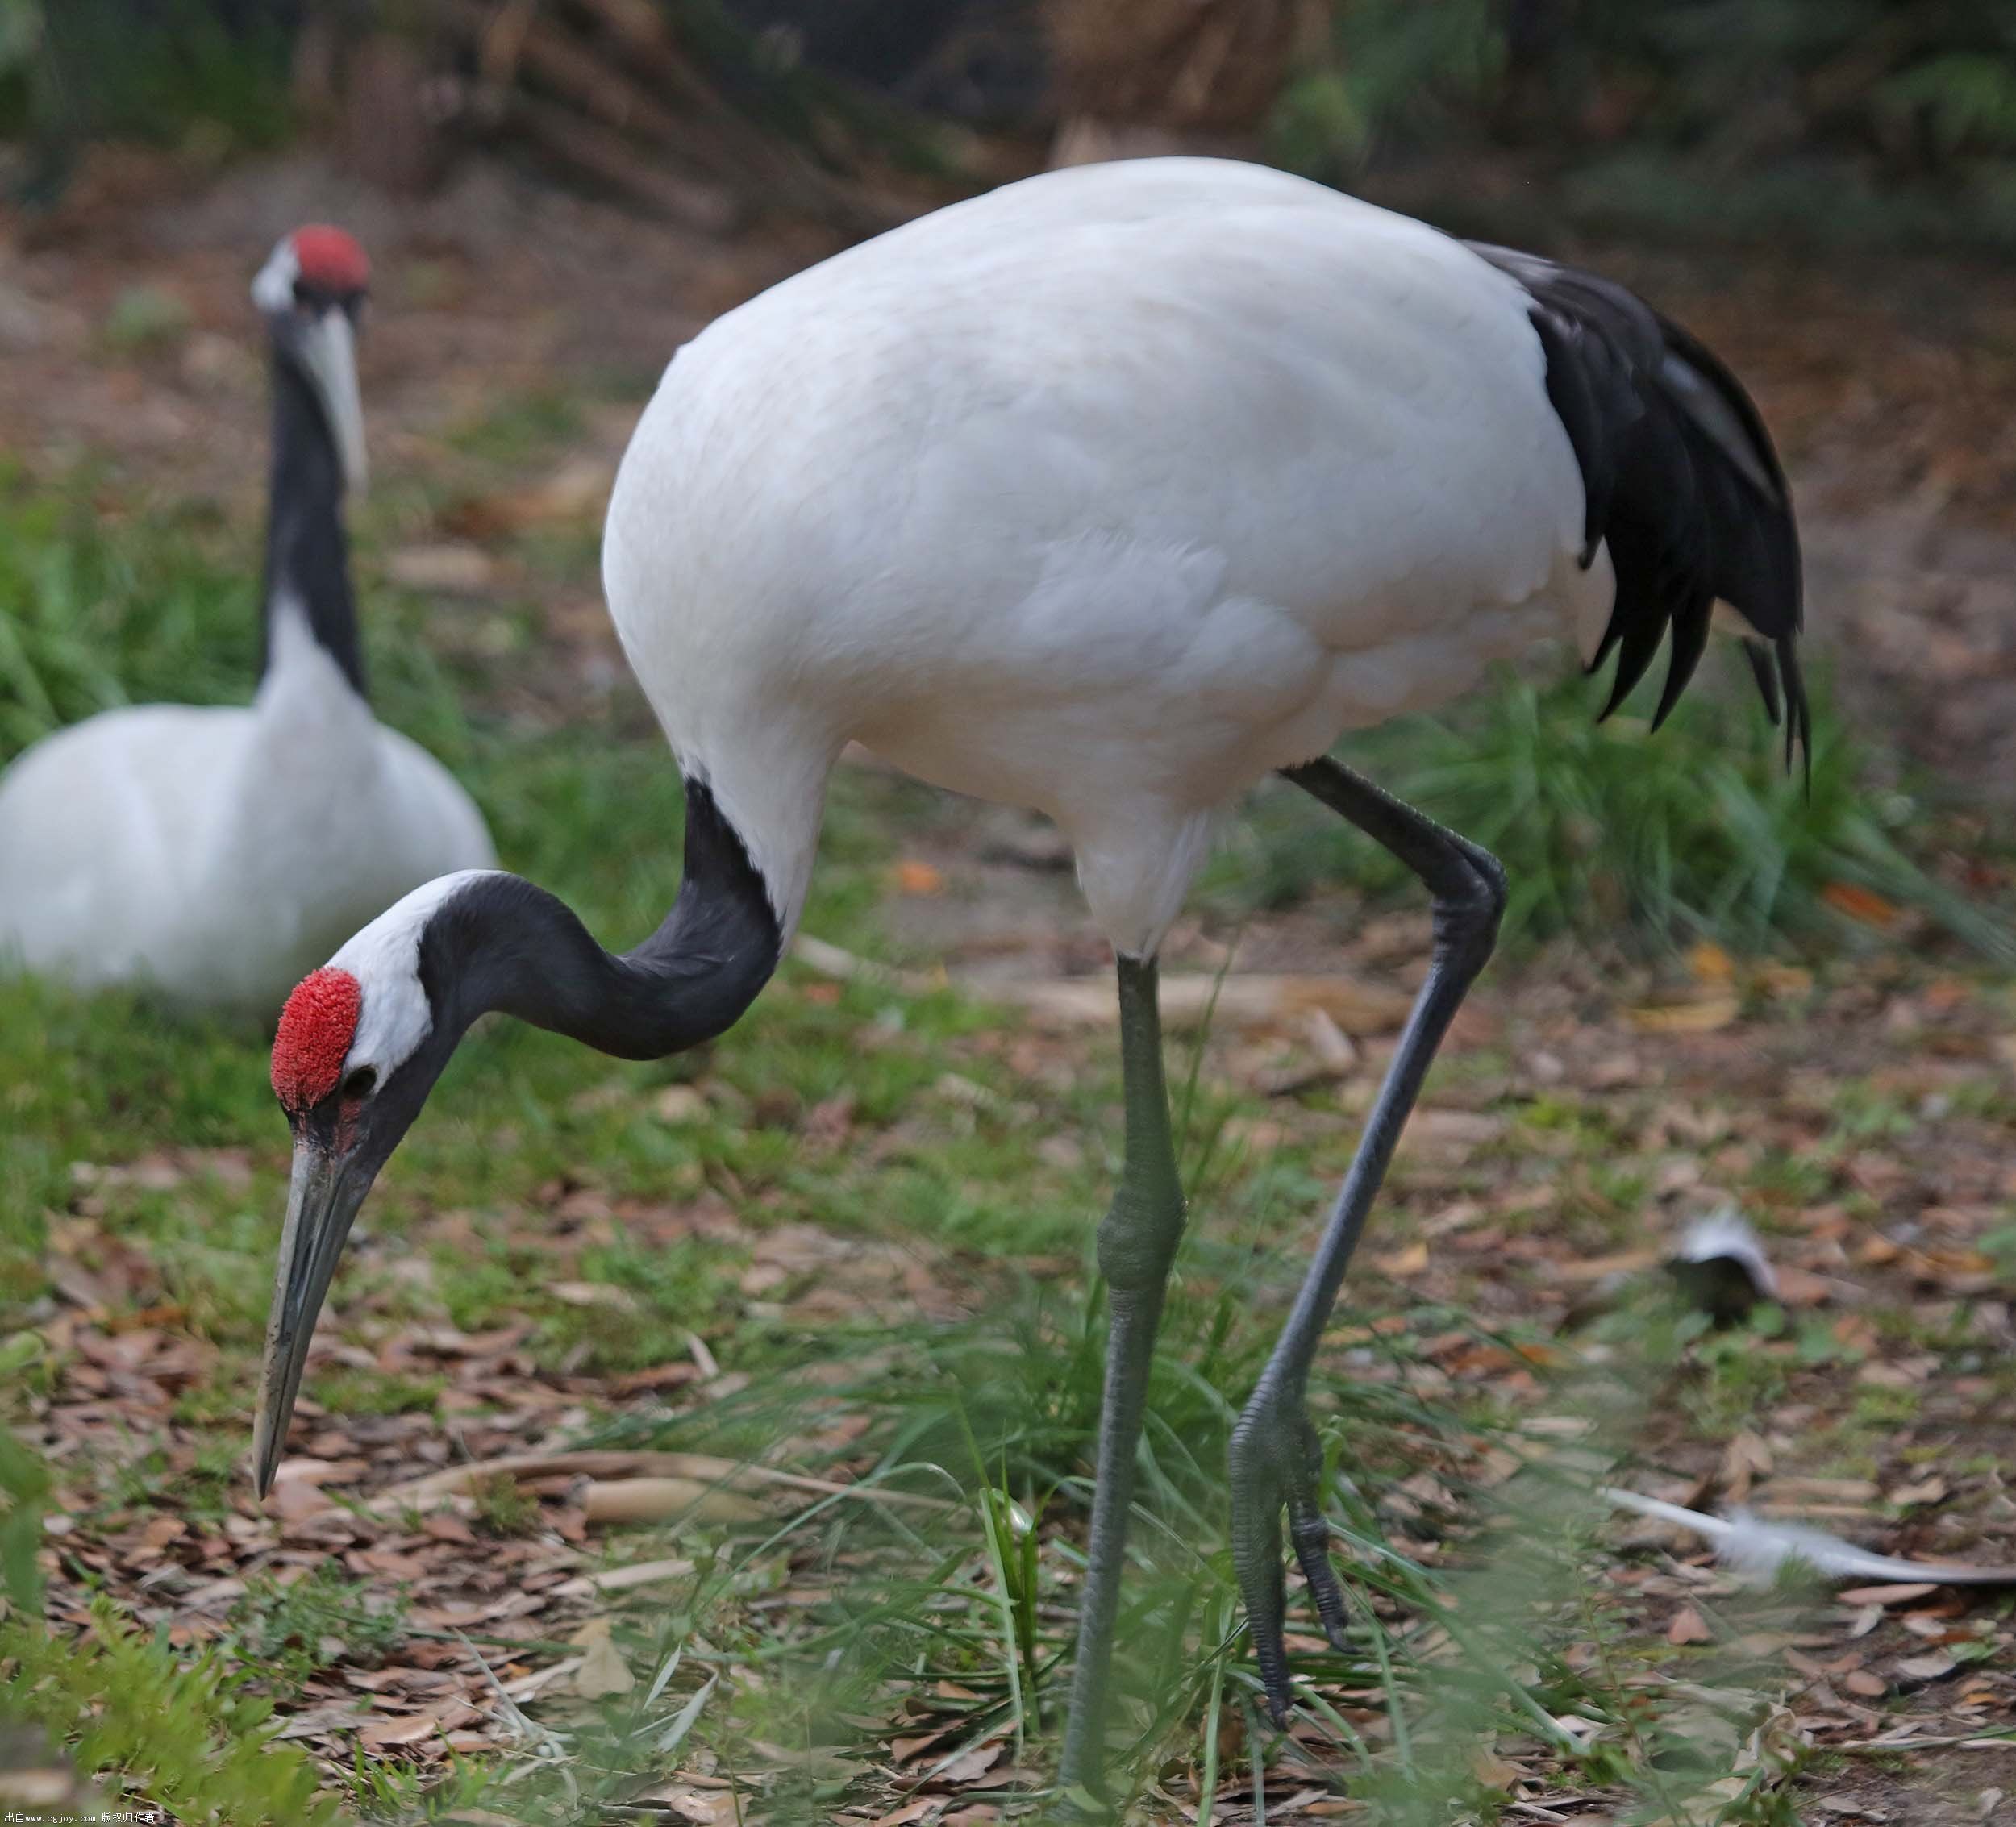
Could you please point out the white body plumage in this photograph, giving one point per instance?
(1105, 493)
(216, 853)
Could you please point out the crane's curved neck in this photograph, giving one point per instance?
(307, 557)
(504, 944)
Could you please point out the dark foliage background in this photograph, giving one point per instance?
(1829, 119)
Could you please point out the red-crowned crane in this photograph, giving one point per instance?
(216, 852)
(1108, 494)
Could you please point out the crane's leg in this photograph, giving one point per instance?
(1275, 1459)
(1137, 1243)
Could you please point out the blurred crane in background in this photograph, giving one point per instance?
(215, 852)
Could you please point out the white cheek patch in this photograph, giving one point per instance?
(274, 287)
(385, 959)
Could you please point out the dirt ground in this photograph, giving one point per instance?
(1892, 388)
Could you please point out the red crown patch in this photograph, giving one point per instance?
(316, 1028)
(331, 260)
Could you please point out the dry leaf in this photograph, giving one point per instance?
(578, 490)
(909, 1811)
(702, 1807)
(1710, 964)
(970, 1764)
(1801, 1288)
(1703, 1015)
(1745, 1456)
(1411, 1260)
(1602, 1268)
(681, 1103)
(1493, 1771)
(1886, 1595)
(592, 1294)
(388, 1731)
(1454, 1131)
(453, 566)
(1860, 904)
(602, 1668)
(1689, 1626)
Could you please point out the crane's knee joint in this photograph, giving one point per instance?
(1138, 1239)
(1466, 918)
(1494, 889)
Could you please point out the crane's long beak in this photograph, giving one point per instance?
(322, 1198)
(328, 350)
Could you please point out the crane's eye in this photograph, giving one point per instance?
(361, 1083)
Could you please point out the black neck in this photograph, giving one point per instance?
(307, 558)
(504, 944)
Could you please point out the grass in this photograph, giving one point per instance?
(964, 1616)
(1610, 833)
(130, 1704)
(291, 1632)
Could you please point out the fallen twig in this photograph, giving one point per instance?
(659, 1500)
(697, 1471)
(1353, 1007)
(622, 1579)
(1334, 1057)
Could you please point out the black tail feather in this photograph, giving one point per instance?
(1638, 643)
(1798, 712)
(1680, 482)
(1764, 668)
(1690, 642)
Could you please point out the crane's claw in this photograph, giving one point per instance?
(1310, 1535)
(1276, 1464)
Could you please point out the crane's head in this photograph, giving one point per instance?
(360, 1043)
(363, 1039)
(311, 291)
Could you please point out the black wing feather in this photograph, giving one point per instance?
(1680, 479)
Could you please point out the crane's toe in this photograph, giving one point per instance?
(1276, 1464)
(1310, 1535)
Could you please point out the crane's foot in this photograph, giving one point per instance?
(1276, 1465)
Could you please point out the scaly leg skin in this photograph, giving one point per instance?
(1137, 1243)
(1275, 1462)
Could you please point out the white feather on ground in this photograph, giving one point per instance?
(1758, 1549)
(1726, 1236)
